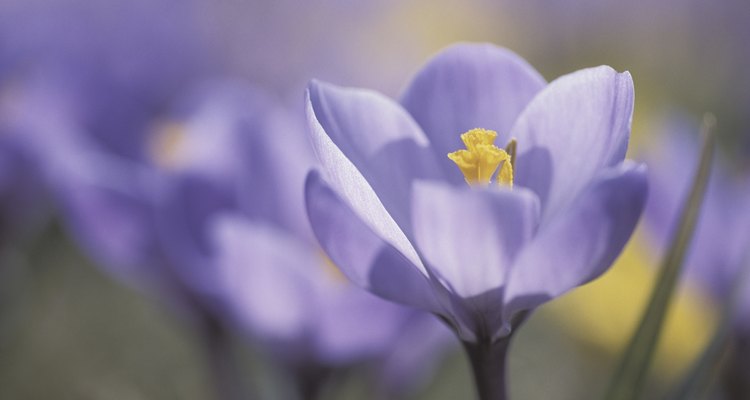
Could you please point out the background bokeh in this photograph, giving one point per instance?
(69, 330)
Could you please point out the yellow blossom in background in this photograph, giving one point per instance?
(605, 313)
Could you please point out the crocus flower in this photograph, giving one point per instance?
(233, 227)
(108, 202)
(718, 251)
(119, 64)
(222, 236)
(549, 213)
(109, 154)
(87, 78)
(718, 254)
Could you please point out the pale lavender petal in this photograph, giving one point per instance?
(470, 86)
(355, 190)
(108, 205)
(581, 243)
(415, 356)
(264, 149)
(721, 235)
(672, 159)
(277, 158)
(281, 290)
(470, 237)
(353, 323)
(260, 272)
(572, 129)
(186, 210)
(377, 137)
(111, 223)
(204, 125)
(364, 256)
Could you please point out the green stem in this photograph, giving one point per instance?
(225, 374)
(488, 363)
(630, 377)
(737, 375)
(311, 381)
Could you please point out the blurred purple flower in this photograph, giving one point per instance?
(233, 227)
(89, 76)
(718, 257)
(397, 216)
(162, 196)
(116, 64)
(718, 251)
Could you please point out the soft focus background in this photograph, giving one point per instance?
(70, 328)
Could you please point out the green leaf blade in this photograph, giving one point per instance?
(631, 373)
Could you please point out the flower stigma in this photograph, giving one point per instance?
(481, 158)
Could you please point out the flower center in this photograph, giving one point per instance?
(481, 158)
(166, 144)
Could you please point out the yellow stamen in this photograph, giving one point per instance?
(482, 158)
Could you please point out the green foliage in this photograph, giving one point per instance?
(630, 377)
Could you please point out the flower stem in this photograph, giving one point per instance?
(488, 362)
(225, 375)
(311, 382)
(736, 371)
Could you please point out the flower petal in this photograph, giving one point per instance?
(672, 159)
(572, 129)
(367, 258)
(351, 184)
(188, 204)
(278, 288)
(108, 207)
(276, 161)
(384, 144)
(470, 86)
(470, 237)
(721, 234)
(262, 274)
(415, 355)
(581, 243)
(353, 323)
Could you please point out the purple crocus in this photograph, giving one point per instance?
(548, 213)
(718, 255)
(117, 64)
(108, 199)
(233, 227)
(80, 79)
